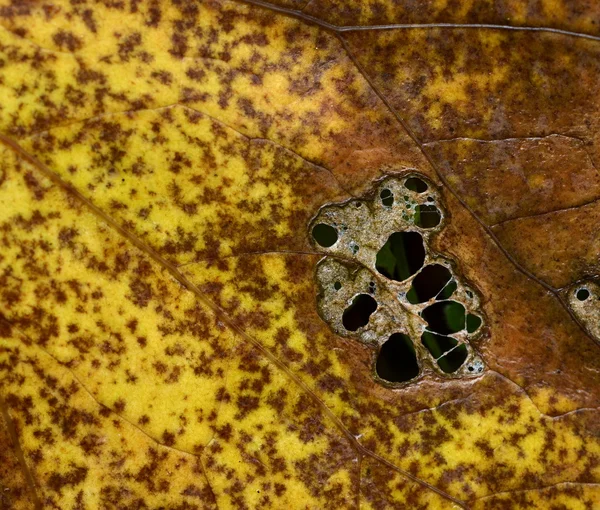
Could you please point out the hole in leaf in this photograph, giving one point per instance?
(428, 283)
(445, 317)
(387, 197)
(337, 285)
(427, 216)
(397, 361)
(452, 361)
(447, 291)
(437, 345)
(401, 256)
(582, 294)
(473, 323)
(358, 313)
(325, 235)
(416, 184)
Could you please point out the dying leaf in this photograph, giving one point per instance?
(172, 331)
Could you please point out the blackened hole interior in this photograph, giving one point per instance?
(427, 216)
(447, 291)
(325, 235)
(428, 283)
(397, 361)
(437, 345)
(445, 317)
(358, 313)
(387, 197)
(416, 184)
(401, 256)
(337, 285)
(583, 294)
(452, 361)
(473, 323)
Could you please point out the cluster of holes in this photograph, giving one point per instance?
(401, 257)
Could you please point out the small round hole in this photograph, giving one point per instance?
(387, 197)
(325, 235)
(582, 294)
(337, 285)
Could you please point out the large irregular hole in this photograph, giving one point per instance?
(397, 360)
(445, 317)
(447, 291)
(452, 361)
(387, 197)
(416, 184)
(427, 216)
(401, 256)
(437, 345)
(428, 283)
(473, 323)
(325, 235)
(358, 313)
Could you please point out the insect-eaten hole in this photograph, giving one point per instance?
(430, 281)
(447, 291)
(582, 294)
(401, 256)
(427, 216)
(452, 361)
(438, 345)
(337, 285)
(473, 323)
(358, 313)
(397, 360)
(445, 317)
(415, 184)
(387, 197)
(325, 235)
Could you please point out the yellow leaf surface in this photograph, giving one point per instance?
(163, 340)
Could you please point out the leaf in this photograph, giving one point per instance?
(160, 342)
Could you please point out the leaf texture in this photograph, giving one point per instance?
(160, 343)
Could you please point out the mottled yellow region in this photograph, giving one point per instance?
(160, 343)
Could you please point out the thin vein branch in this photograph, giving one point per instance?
(539, 489)
(546, 213)
(411, 26)
(14, 437)
(249, 138)
(524, 392)
(507, 139)
(89, 393)
(359, 460)
(217, 310)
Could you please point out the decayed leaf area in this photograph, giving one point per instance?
(160, 162)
